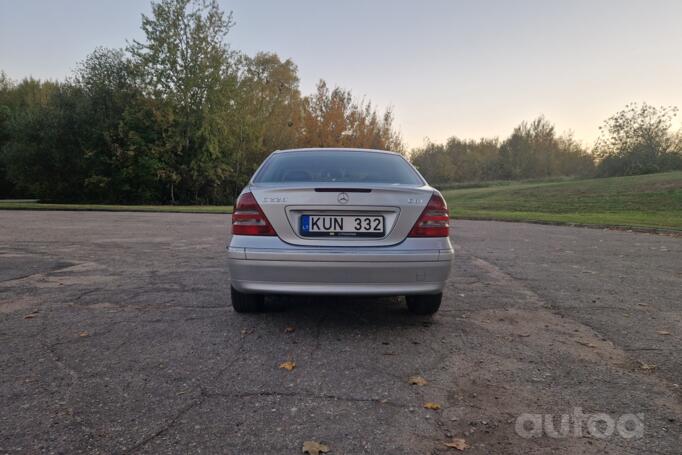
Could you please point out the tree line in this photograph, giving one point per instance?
(533, 150)
(182, 117)
(177, 117)
(637, 140)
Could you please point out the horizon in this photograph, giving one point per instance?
(576, 64)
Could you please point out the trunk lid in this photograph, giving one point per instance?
(400, 205)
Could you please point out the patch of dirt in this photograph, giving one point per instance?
(16, 304)
(86, 273)
(103, 306)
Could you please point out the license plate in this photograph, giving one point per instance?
(342, 226)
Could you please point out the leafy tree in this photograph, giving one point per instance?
(528, 152)
(7, 187)
(333, 118)
(572, 158)
(44, 155)
(117, 171)
(183, 62)
(638, 140)
(267, 112)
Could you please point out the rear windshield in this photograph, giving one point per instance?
(337, 166)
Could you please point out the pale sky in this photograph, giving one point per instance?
(469, 69)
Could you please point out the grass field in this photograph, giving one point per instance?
(645, 201)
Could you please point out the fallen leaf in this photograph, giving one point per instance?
(314, 448)
(417, 380)
(457, 443)
(585, 343)
(524, 335)
(432, 406)
(246, 332)
(288, 365)
(290, 329)
(647, 366)
(31, 315)
(84, 334)
(663, 332)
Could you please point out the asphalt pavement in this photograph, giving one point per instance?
(117, 336)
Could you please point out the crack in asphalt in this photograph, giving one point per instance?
(167, 426)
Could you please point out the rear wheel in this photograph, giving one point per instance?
(246, 303)
(424, 304)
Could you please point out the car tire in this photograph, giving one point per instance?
(246, 303)
(423, 304)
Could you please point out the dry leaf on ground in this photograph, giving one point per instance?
(31, 315)
(663, 332)
(585, 343)
(432, 406)
(647, 366)
(290, 329)
(288, 365)
(457, 443)
(314, 448)
(417, 380)
(84, 333)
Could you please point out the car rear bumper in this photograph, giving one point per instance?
(416, 266)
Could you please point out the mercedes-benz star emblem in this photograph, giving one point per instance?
(342, 198)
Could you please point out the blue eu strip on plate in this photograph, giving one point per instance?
(305, 223)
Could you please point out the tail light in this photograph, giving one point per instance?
(434, 220)
(248, 218)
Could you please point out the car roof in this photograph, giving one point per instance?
(335, 149)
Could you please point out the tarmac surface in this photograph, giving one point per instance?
(117, 336)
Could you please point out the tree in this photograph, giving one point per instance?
(7, 187)
(118, 168)
(333, 118)
(183, 63)
(527, 153)
(638, 140)
(268, 112)
(44, 156)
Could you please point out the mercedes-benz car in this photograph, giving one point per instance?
(339, 222)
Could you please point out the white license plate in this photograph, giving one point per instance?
(342, 226)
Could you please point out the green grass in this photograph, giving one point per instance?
(35, 205)
(645, 201)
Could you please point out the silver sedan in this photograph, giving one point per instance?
(339, 222)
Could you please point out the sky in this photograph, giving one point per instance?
(447, 68)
